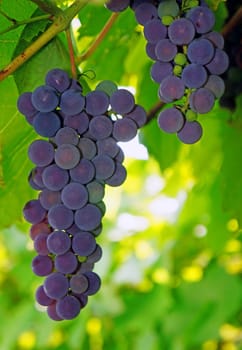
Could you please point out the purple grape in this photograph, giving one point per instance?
(79, 122)
(66, 263)
(200, 51)
(194, 75)
(85, 267)
(118, 177)
(34, 212)
(216, 85)
(219, 63)
(100, 127)
(87, 147)
(42, 298)
(138, 115)
(51, 312)
(150, 51)
(58, 79)
(202, 18)
(84, 172)
(41, 227)
(171, 88)
(117, 5)
(72, 102)
(135, 3)
(73, 230)
(44, 98)
(161, 70)
(32, 183)
(104, 166)
(95, 191)
(68, 307)
(154, 31)
(76, 85)
(46, 124)
(82, 298)
(97, 102)
(83, 243)
(78, 283)
(124, 129)
(94, 283)
(108, 146)
(60, 217)
(49, 198)
(181, 31)
(25, 105)
(165, 50)
(67, 156)
(201, 100)
(216, 39)
(55, 178)
(171, 120)
(88, 218)
(42, 265)
(66, 135)
(41, 152)
(120, 156)
(40, 244)
(145, 12)
(191, 132)
(37, 175)
(74, 195)
(122, 101)
(56, 285)
(58, 242)
(95, 256)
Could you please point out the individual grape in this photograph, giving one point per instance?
(37, 175)
(96, 232)
(104, 166)
(191, 132)
(74, 195)
(138, 115)
(194, 75)
(51, 312)
(41, 227)
(100, 127)
(60, 217)
(202, 18)
(73, 230)
(41, 152)
(94, 282)
(68, 307)
(84, 172)
(97, 102)
(88, 218)
(49, 198)
(216, 85)
(95, 256)
(55, 178)
(87, 147)
(200, 51)
(219, 63)
(165, 50)
(201, 100)
(168, 8)
(34, 212)
(85, 267)
(124, 129)
(136, 3)
(117, 5)
(79, 122)
(216, 38)
(44, 98)
(66, 135)
(154, 31)
(32, 183)
(40, 244)
(118, 177)
(171, 120)
(67, 156)
(83, 243)
(150, 51)
(58, 79)
(181, 31)
(72, 102)
(95, 191)
(76, 85)
(78, 283)
(56, 285)
(160, 70)
(46, 124)
(145, 12)
(122, 101)
(180, 59)
(101, 205)
(108, 86)
(120, 156)
(42, 265)
(66, 263)
(107, 146)
(82, 298)
(25, 105)
(58, 242)
(171, 88)
(41, 297)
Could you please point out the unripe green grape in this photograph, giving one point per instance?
(191, 115)
(168, 8)
(177, 70)
(180, 59)
(167, 20)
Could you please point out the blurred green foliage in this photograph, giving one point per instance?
(172, 233)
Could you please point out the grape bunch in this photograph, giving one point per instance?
(189, 59)
(71, 168)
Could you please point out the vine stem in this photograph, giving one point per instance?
(17, 24)
(154, 109)
(60, 23)
(232, 23)
(98, 39)
(48, 6)
(71, 52)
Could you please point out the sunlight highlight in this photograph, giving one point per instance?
(134, 149)
(192, 273)
(27, 340)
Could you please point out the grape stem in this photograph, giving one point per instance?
(154, 110)
(17, 23)
(60, 23)
(232, 23)
(71, 52)
(98, 39)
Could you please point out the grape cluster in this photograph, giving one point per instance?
(72, 166)
(189, 59)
